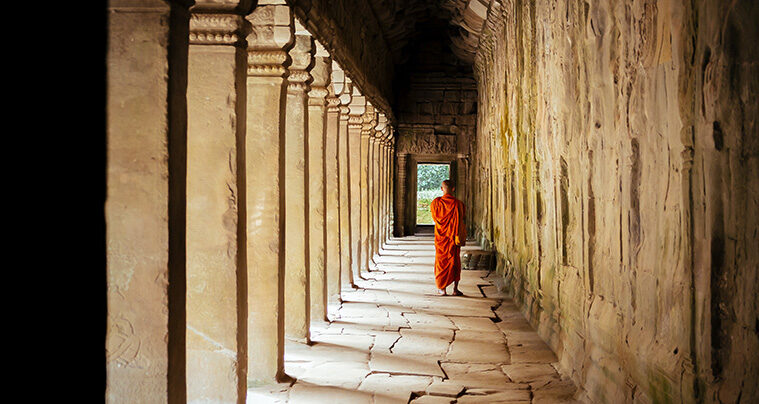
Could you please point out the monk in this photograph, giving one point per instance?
(450, 235)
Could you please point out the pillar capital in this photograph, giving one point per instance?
(369, 119)
(320, 74)
(218, 29)
(271, 37)
(345, 98)
(333, 103)
(302, 55)
(357, 107)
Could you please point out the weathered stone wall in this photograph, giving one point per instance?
(616, 174)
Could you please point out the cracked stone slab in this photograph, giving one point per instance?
(346, 375)
(478, 347)
(479, 375)
(427, 399)
(445, 388)
(405, 364)
(531, 354)
(389, 388)
(305, 393)
(529, 372)
(504, 397)
(479, 324)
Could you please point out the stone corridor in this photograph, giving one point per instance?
(260, 206)
(393, 340)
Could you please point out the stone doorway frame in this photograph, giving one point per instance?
(408, 212)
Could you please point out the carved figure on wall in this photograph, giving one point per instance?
(426, 143)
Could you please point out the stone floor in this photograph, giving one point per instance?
(394, 340)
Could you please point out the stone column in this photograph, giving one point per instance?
(146, 200)
(389, 185)
(382, 213)
(399, 185)
(268, 44)
(355, 123)
(317, 145)
(392, 184)
(332, 184)
(364, 196)
(216, 266)
(372, 197)
(346, 254)
(379, 134)
(297, 282)
(374, 249)
(385, 211)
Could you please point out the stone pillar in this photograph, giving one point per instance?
(384, 211)
(146, 200)
(297, 282)
(364, 196)
(268, 44)
(392, 183)
(389, 184)
(382, 215)
(332, 184)
(216, 266)
(355, 123)
(372, 197)
(346, 253)
(398, 195)
(317, 124)
(374, 249)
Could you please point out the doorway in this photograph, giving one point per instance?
(428, 179)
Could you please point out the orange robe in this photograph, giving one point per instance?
(450, 232)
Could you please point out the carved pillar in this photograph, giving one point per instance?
(317, 144)
(297, 282)
(146, 200)
(387, 178)
(364, 189)
(391, 183)
(355, 123)
(380, 131)
(216, 267)
(332, 184)
(346, 277)
(382, 192)
(376, 157)
(270, 39)
(398, 194)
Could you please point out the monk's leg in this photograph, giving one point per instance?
(456, 270)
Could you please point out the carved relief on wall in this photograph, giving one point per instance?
(426, 142)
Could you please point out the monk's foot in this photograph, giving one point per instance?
(441, 292)
(457, 292)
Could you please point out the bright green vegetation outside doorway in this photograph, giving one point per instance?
(429, 177)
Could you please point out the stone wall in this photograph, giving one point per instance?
(616, 175)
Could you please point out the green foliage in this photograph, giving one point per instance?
(423, 200)
(428, 188)
(429, 176)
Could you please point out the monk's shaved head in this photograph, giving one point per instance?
(447, 186)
